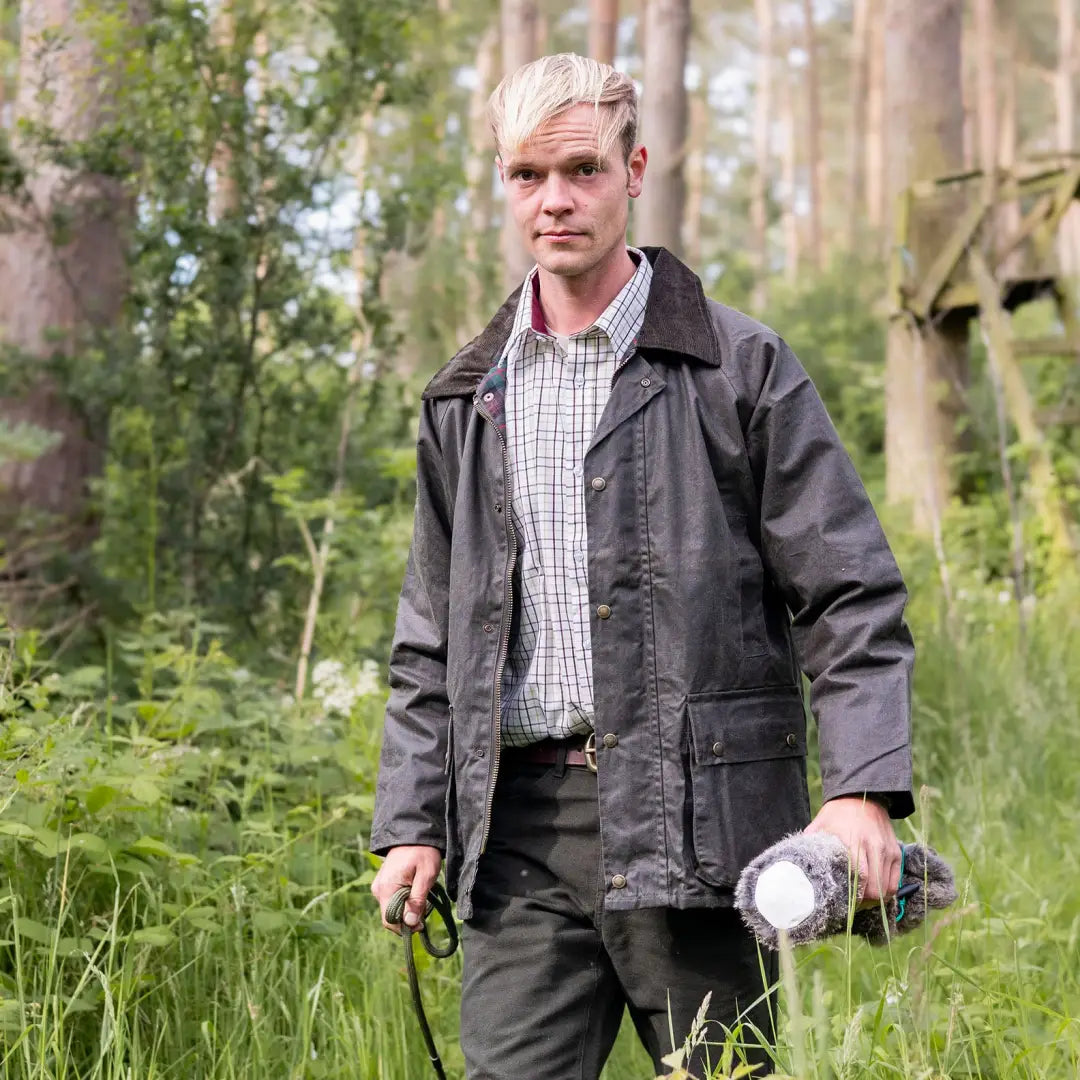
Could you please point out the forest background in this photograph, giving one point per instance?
(236, 237)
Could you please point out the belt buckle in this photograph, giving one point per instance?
(590, 752)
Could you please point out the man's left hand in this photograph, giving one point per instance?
(867, 833)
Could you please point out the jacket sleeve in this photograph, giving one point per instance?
(825, 548)
(411, 789)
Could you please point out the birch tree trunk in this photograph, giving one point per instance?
(762, 130)
(789, 161)
(56, 292)
(660, 207)
(479, 179)
(875, 118)
(926, 364)
(695, 180)
(225, 199)
(857, 114)
(603, 27)
(815, 162)
(519, 47)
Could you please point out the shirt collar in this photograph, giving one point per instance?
(620, 320)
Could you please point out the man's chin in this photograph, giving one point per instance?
(566, 261)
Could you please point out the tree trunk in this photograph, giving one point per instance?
(814, 159)
(789, 161)
(857, 115)
(519, 47)
(926, 366)
(986, 98)
(603, 27)
(695, 180)
(759, 222)
(225, 199)
(55, 296)
(1008, 136)
(1069, 235)
(875, 119)
(479, 179)
(660, 207)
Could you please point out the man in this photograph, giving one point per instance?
(634, 523)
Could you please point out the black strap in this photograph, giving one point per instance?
(437, 900)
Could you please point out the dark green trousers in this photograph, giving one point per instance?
(548, 973)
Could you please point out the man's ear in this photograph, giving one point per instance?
(635, 171)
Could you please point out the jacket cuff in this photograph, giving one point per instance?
(382, 843)
(900, 804)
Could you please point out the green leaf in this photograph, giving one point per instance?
(144, 791)
(157, 936)
(99, 797)
(269, 921)
(16, 828)
(147, 845)
(34, 931)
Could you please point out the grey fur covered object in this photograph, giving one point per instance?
(823, 862)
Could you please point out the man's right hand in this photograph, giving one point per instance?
(411, 865)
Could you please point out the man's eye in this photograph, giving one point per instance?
(593, 170)
(524, 174)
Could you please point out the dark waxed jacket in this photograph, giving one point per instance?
(730, 543)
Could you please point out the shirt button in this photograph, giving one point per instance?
(598, 483)
(604, 611)
(618, 882)
(579, 556)
(578, 470)
(611, 740)
(580, 380)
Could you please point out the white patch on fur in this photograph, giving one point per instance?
(784, 895)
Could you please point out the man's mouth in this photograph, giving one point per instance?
(557, 236)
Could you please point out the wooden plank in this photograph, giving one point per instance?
(1045, 346)
(1027, 226)
(1045, 493)
(942, 267)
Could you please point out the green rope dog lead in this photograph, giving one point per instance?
(437, 900)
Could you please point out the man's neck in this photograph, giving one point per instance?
(574, 303)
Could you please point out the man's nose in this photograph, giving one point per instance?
(558, 197)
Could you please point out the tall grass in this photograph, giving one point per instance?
(216, 922)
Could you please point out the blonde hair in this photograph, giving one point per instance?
(539, 91)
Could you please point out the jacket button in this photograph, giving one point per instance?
(611, 741)
(498, 508)
(604, 611)
(618, 882)
(792, 740)
(488, 628)
(718, 749)
(646, 382)
(598, 483)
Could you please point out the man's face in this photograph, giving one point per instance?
(569, 203)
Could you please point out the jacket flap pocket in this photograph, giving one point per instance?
(733, 726)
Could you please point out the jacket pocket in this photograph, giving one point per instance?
(747, 776)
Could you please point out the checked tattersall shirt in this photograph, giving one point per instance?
(556, 391)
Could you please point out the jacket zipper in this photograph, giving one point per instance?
(504, 643)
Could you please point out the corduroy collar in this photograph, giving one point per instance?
(676, 321)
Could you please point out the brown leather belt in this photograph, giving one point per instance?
(553, 751)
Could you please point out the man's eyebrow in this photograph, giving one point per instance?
(570, 159)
